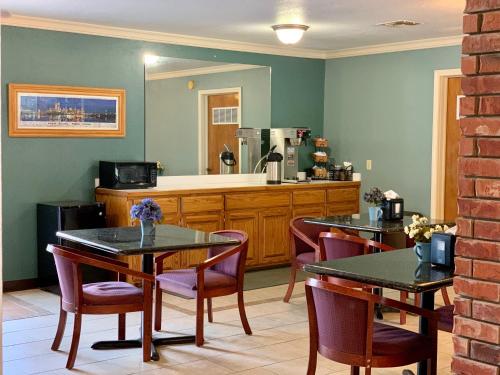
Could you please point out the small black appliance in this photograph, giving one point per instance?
(127, 174)
(443, 249)
(57, 216)
(393, 209)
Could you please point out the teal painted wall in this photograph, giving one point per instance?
(39, 170)
(379, 107)
(171, 105)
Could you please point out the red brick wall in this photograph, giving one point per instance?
(477, 305)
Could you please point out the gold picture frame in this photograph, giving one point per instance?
(66, 111)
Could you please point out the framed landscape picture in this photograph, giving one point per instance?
(65, 111)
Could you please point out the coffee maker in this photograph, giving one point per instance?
(287, 142)
(255, 145)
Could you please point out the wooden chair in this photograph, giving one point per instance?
(445, 322)
(341, 328)
(337, 245)
(304, 248)
(341, 245)
(113, 297)
(221, 274)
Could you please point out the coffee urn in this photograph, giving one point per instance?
(273, 168)
(227, 161)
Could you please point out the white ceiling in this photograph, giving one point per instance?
(334, 24)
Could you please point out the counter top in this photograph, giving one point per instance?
(216, 184)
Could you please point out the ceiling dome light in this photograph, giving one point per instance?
(289, 33)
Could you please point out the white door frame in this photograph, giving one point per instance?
(203, 120)
(439, 139)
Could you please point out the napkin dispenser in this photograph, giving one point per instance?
(393, 209)
(443, 249)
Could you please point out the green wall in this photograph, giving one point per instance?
(379, 107)
(171, 105)
(40, 170)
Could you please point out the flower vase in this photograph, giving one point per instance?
(423, 251)
(147, 227)
(375, 213)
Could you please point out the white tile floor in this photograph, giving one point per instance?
(279, 344)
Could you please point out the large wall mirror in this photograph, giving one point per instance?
(193, 109)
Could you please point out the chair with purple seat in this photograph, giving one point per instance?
(304, 248)
(342, 328)
(221, 274)
(113, 297)
(445, 322)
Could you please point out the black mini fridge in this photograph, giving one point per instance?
(67, 215)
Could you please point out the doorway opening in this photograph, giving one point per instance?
(219, 115)
(445, 141)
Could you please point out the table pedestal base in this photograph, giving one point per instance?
(137, 343)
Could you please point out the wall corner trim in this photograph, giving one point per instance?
(156, 36)
(396, 47)
(203, 42)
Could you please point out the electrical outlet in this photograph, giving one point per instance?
(368, 165)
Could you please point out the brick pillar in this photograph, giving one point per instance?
(477, 284)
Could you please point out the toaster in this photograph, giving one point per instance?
(393, 209)
(443, 249)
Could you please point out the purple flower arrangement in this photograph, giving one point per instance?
(374, 196)
(147, 210)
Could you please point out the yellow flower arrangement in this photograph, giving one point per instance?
(421, 231)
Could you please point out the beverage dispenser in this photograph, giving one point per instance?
(255, 145)
(288, 142)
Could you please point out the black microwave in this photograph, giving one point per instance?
(127, 174)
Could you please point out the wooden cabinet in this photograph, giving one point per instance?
(204, 213)
(311, 211)
(343, 201)
(274, 236)
(204, 223)
(309, 203)
(253, 200)
(248, 222)
(169, 208)
(202, 203)
(263, 212)
(309, 197)
(267, 216)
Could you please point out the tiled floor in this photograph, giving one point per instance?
(279, 344)
(14, 308)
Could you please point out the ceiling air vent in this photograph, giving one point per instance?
(398, 23)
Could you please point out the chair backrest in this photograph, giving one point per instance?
(235, 264)
(341, 320)
(300, 230)
(336, 246)
(339, 245)
(69, 274)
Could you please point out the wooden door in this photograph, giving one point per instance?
(222, 133)
(452, 142)
(274, 235)
(206, 222)
(248, 222)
